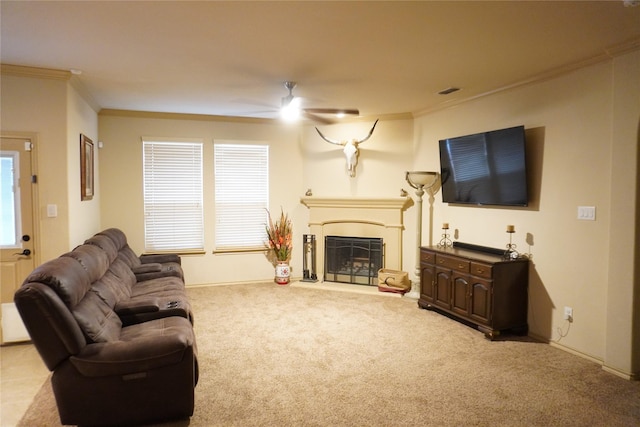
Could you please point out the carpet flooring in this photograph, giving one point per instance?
(292, 356)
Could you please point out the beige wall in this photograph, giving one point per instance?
(52, 110)
(382, 164)
(299, 158)
(121, 186)
(38, 105)
(623, 281)
(84, 215)
(576, 129)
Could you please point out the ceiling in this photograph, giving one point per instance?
(385, 58)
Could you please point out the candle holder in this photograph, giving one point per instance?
(445, 242)
(511, 252)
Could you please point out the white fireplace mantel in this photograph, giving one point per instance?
(358, 217)
(393, 203)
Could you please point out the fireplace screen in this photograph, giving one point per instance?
(352, 259)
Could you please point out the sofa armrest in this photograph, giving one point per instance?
(134, 357)
(129, 307)
(149, 267)
(159, 258)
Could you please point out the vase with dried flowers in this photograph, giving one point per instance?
(279, 236)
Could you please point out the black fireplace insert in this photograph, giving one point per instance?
(353, 260)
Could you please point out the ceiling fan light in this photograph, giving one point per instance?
(290, 112)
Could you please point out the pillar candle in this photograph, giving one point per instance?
(445, 226)
(511, 229)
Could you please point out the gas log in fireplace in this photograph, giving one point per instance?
(352, 259)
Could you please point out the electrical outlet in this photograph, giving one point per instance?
(568, 314)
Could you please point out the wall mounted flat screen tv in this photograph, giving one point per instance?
(487, 168)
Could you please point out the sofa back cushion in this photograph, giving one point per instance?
(123, 272)
(66, 276)
(98, 321)
(116, 235)
(92, 258)
(104, 243)
(129, 256)
(111, 289)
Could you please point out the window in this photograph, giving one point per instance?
(173, 217)
(241, 195)
(9, 199)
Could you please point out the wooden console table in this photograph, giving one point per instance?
(475, 285)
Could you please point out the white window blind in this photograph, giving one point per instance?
(173, 218)
(241, 195)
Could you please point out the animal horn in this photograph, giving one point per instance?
(327, 139)
(370, 133)
(342, 143)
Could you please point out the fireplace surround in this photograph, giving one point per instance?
(361, 217)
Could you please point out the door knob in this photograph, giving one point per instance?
(25, 252)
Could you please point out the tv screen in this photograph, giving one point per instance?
(487, 168)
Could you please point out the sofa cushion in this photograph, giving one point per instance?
(96, 319)
(111, 289)
(65, 276)
(141, 347)
(92, 258)
(122, 271)
(127, 255)
(157, 286)
(170, 264)
(104, 243)
(116, 235)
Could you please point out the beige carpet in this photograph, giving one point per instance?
(290, 356)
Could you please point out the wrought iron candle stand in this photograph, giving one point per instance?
(445, 242)
(511, 252)
(309, 251)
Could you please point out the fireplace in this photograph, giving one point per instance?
(378, 218)
(353, 260)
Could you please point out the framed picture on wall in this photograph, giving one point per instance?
(86, 168)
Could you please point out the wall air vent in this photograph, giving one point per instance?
(449, 90)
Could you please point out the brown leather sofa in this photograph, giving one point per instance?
(122, 351)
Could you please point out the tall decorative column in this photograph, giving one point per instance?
(419, 181)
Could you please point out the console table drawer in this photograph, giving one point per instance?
(428, 257)
(452, 263)
(481, 270)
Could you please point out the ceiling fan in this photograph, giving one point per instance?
(291, 108)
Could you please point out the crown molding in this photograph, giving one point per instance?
(34, 72)
(107, 112)
(607, 54)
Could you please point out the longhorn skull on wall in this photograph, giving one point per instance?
(350, 149)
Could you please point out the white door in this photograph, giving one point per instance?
(16, 232)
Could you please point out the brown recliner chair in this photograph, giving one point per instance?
(105, 373)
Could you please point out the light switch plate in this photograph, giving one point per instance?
(587, 213)
(52, 211)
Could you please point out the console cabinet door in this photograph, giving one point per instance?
(460, 293)
(442, 288)
(427, 281)
(481, 296)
